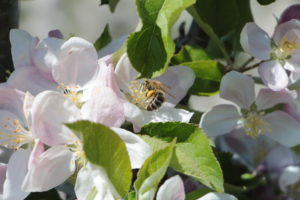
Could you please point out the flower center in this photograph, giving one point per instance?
(285, 49)
(72, 93)
(254, 125)
(15, 134)
(76, 148)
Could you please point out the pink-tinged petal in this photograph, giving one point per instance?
(22, 44)
(16, 172)
(3, 168)
(104, 107)
(282, 29)
(238, 88)
(112, 47)
(50, 110)
(289, 176)
(273, 75)
(137, 148)
(291, 110)
(125, 73)
(45, 56)
(37, 150)
(133, 114)
(77, 62)
(55, 34)
(12, 100)
(255, 41)
(29, 79)
(178, 79)
(220, 120)
(284, 129)
(267, 98)
(217, 196)
(53, 167)
(172, 189)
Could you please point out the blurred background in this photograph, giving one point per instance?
(85, 18)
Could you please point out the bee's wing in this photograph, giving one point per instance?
(166, 89)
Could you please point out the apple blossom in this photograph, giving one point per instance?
(173, 189)
(178, 78)
(254, 114)
(279, 53)
(290, 13)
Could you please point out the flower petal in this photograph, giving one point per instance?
(243, 95)
(16, 172)
(29, 79)
(22, 44)
(284, 129)
(172, 189)
(179, 79)
(55, 34)
(53, 167)
(50, 110)
(3, 168)
(217, 196)
(45, 55)
(267, 98)
(104, 107)
(84, 183)
(125, 73)
(273, 75)
(12, 100)
(220, 120)
(137, 148)
(256, 41)
(283, 28)
(77, 62)
(289, 176)
(293, 64)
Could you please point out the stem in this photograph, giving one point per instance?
(9, 17)
(251, 67)
(247, 62)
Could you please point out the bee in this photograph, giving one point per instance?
(148, 94)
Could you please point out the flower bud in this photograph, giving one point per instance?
(292, 12)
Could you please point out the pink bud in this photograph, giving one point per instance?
(292, 12)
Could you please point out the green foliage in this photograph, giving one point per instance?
(265, 2)
(222, 21)
(151, 48)
(208, 72)
(197, 194)
(193, 155)
(111, 3)
(152, 171)
(104, 148)
(104, 39)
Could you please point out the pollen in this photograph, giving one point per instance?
(15, 134)
(286, 48)
(254, 125)
(150, 93)
(71, 92)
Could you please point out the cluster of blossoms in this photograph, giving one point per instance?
(59, 81)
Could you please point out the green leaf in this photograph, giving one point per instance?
(103, 147)
(204, 87)
(193, 154)
(104, 39)
(112, 4)
(151, 48)
(265, 2)
(222, 16)
(131, 196)
(206, 69)
(209, 31)
(152, 171)
(189, 53)
(197, 194)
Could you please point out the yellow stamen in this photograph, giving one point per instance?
(254, 125)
